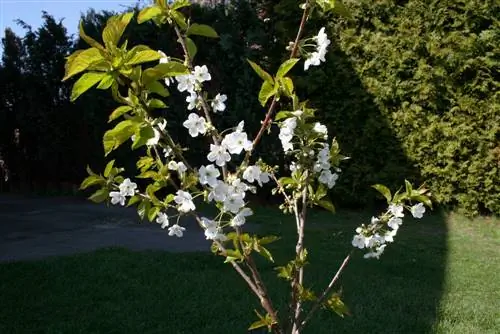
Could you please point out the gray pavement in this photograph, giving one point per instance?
(34, 228)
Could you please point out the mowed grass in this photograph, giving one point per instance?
(441, 276)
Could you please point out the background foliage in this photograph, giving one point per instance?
(410, 89)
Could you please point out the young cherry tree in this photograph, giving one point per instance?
(231, 169)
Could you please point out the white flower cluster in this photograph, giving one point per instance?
(287, 130)
(322, 166)
(315, 58)
(175, 229)
(127, 188)
(233, 143)
(192, 84)
(382, 230)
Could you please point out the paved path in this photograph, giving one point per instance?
(34, 228)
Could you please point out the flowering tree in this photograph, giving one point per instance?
(231, 169)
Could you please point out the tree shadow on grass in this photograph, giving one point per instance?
(401, 292)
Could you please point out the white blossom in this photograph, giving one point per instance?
(396, 210)
(315, 58)
(167, 152)
(237, 141)
(328, 178)
(162, 219)
(219, 154)
(389, 235)
(186, 82)
(218, 192)
(201, 74)
(127, 187)
(208, 175)
(180, 167)
(218, 102)
(164, 58)
(320, 128)
(359, 241)
(240, 217)
(251, 173)
(286, 133)
(195, 124)
(212, 230)
(176, 230)
(233, 202)
(117, 197)
(394, 222)
(192, 100)
(418, 210)
(376, 254)
(185, 201)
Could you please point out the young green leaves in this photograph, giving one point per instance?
(278, 85)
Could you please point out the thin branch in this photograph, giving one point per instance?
(299, 276)
(274, 102)
(325, 293)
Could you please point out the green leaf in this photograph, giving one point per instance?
(232, 255)
(287, 85)
(257, 324)
(169, 198)
(119, 112)
(261, 73)
(179, 4)
(118, 135)
(153, 213)
(324, 203)
(90, 41)
(409, 188)
(109, 167)
(282, 114)
(81, 61)
(142, 135)
(157, 88)
(99, 196)
(285, 272)
(191, 48)
(106, 82)
(143, 209)
(422, 198)
(179, 18)
(267, 91)
(134, 199)
(201, 30)
(144, 163)
(91, 181)
(161, 71)
(115, 27)
(148, 13)
(384, 191)
(85, 82)
(269, 239)
(335, 304)
(286, 67)
(143, 57)
(156, 104)
(321, 192)
(265, 253)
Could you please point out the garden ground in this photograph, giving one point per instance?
(440, 276)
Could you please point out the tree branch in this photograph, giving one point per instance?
(325, 293)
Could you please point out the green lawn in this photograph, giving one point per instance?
(441, 276)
